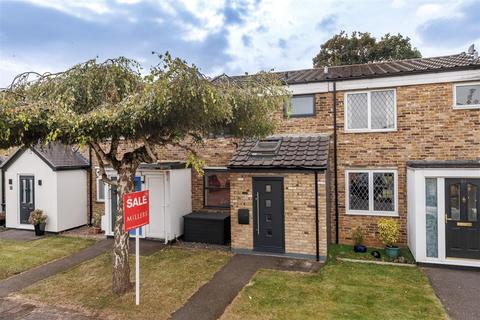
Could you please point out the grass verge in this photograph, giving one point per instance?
(340, 290)
(168, 278)
(19, 256)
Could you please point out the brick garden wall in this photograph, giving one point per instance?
(299, 207)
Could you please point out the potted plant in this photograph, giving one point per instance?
(358, 240)
(97, 221)
(389, 232)
(38, 219)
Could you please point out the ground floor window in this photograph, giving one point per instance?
(371, 192)
(217, 188)
(431, 201)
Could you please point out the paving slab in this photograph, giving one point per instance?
(211, 300)
(27, 278)
(20, 235)
(459, 290)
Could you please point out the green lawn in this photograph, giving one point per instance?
(346, 251)
(19, 256)
(340, 290)
(168, 278)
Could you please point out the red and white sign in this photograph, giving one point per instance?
(136, 210)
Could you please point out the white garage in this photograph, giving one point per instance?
(170, 189)
(52, 178)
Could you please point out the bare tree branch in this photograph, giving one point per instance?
(149, 150)
(102, 158)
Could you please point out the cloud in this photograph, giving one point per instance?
(459, 28)
(247, 40)
(282, 43)
(327, 24)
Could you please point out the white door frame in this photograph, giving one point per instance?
(419, 213)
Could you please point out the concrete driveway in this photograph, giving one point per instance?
(459, 291)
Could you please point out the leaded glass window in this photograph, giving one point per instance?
(371, 191)
(370, 111)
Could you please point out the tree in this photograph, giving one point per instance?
(103, 105)
(361, 47)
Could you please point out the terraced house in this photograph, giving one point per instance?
(397, 139)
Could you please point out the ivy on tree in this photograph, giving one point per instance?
(103, 105)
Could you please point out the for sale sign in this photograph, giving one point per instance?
(136, 209)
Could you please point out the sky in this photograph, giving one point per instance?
(218, 36)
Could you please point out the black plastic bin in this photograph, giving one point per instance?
(207, 227)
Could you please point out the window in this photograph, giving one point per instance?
(100, 190)
(301, 105)
(431, 222)
(217, 189)
(371, 192)
(370, 111)
(466, 96)
(266, 147)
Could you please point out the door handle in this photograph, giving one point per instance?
(447, 218)
(258, 213)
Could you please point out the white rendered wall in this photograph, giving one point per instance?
(45, 195)
(72, 199)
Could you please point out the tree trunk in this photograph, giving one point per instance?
(121, 268)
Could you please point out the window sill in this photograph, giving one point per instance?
(369, 130)
(372, 213)
(100, 201)
(473, 106)
(299, 116)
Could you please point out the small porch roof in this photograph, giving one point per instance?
(294, 152)
(443, 164)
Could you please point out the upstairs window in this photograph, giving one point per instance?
(301, 106)
(217, 189)
(370, 111)
(466, 96)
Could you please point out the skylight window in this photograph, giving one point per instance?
(266, 148)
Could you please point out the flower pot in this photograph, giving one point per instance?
(392, 252)
(39, 229)
(360, 248)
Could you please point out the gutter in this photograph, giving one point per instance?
(90, 186)
(317, 240)
(335, 160)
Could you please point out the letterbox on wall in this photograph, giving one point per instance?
(243, 216)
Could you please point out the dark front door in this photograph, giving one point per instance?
(268, 217)
(27, 197)
(462, 210)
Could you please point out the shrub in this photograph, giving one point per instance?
(389, 231)
(37, 217)
(357, 236)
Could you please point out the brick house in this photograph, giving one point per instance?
(403, 142)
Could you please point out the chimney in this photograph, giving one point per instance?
(325, 70)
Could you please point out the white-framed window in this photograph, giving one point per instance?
(100, 190)
(371, 192)
(466, 95)
(371, 111)
(302, 105)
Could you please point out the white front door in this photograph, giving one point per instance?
(156, 187)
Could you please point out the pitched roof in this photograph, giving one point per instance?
(455, 62)
(56, 155)
(309, 151)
